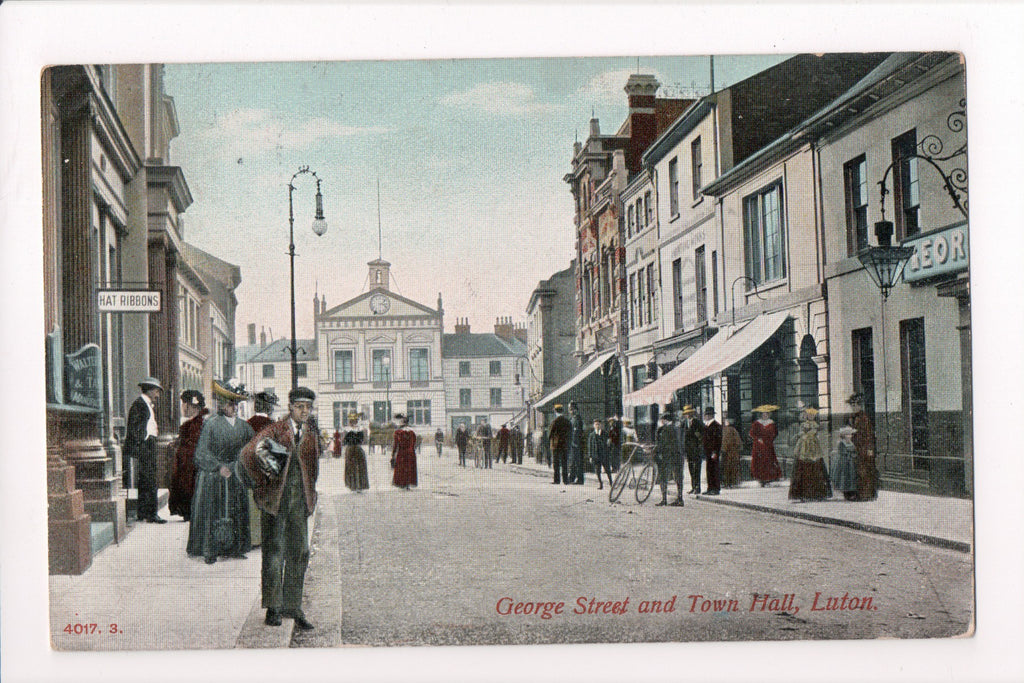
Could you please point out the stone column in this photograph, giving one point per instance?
(68, 527)
(163, 351)
(94, 467)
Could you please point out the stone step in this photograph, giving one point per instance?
(101, 535)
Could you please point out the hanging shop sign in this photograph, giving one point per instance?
(128, 300)
(937, 253)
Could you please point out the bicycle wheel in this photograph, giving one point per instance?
(619, 484)
(645, 484)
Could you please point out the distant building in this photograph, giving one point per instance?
(550, 336)
(484, 374)
(380, 354)
(269, 368)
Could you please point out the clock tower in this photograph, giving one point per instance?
(379, 273)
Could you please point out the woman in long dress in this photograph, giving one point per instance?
(183, 468)
(731, 444)
(810, 479)
(764, 464)
(864, 441)
(356, 477)
(403, 453)
(219, 493)
(844, 469)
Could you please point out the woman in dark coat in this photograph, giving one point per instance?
(220, 494)
(403, 453)
(764, 464)
(864, 440)
(183, 467)
(462, 442)
(356, 477)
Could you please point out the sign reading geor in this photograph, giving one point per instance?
(82, 370)
(128, 300)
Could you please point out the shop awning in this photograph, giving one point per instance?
(586, 371)
(729, 346)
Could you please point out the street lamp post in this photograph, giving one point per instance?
(319, 227)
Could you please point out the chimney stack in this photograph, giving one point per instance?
(640, 89)
(263, 336)
(503, 328)
(519, 332)
(462, 326)
(251, 329)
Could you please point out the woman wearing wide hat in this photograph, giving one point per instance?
(219, 526)
(809, 480)
(403, 453)
(764, 464)
(356, 477)
(183, 467)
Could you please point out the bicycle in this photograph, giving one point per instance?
(644, 483)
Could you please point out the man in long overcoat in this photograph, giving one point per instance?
(597, 450)
(504, 435)
(669, 459)
(516, 441)
(693, 445)
(558, 445)
(286, 501)
(712, 445)
(575, 444)
(140, 443)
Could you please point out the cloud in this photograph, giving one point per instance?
(500, 97)
(247, 132)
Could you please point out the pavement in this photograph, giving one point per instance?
(160, 598)
(940, 521)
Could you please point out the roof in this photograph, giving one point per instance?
(472, 345)
(894, 72)
(277, 351)
(243, 354)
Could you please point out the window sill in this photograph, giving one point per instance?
(697, 202)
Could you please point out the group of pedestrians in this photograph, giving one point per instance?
(853, 462)
(510, 444)
(237, 483)
(702, 442)
(565, 438)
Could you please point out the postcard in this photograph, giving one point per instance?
(416, 355)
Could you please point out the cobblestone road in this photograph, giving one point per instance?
(434, 565)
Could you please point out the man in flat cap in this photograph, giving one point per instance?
(140, 443)
(286, 500)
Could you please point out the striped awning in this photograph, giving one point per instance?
(729, 346)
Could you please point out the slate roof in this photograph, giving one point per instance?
(277, 351)
(479, 346)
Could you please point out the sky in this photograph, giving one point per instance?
(469, 155)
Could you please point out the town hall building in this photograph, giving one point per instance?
(380, 354)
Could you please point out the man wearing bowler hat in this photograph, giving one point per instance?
(286, 496)
(140, 443)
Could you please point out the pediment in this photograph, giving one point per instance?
(397, 306)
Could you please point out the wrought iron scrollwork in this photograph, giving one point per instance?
(931, 150)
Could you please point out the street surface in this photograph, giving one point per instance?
(450, 562)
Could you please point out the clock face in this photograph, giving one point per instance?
(379, 304)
